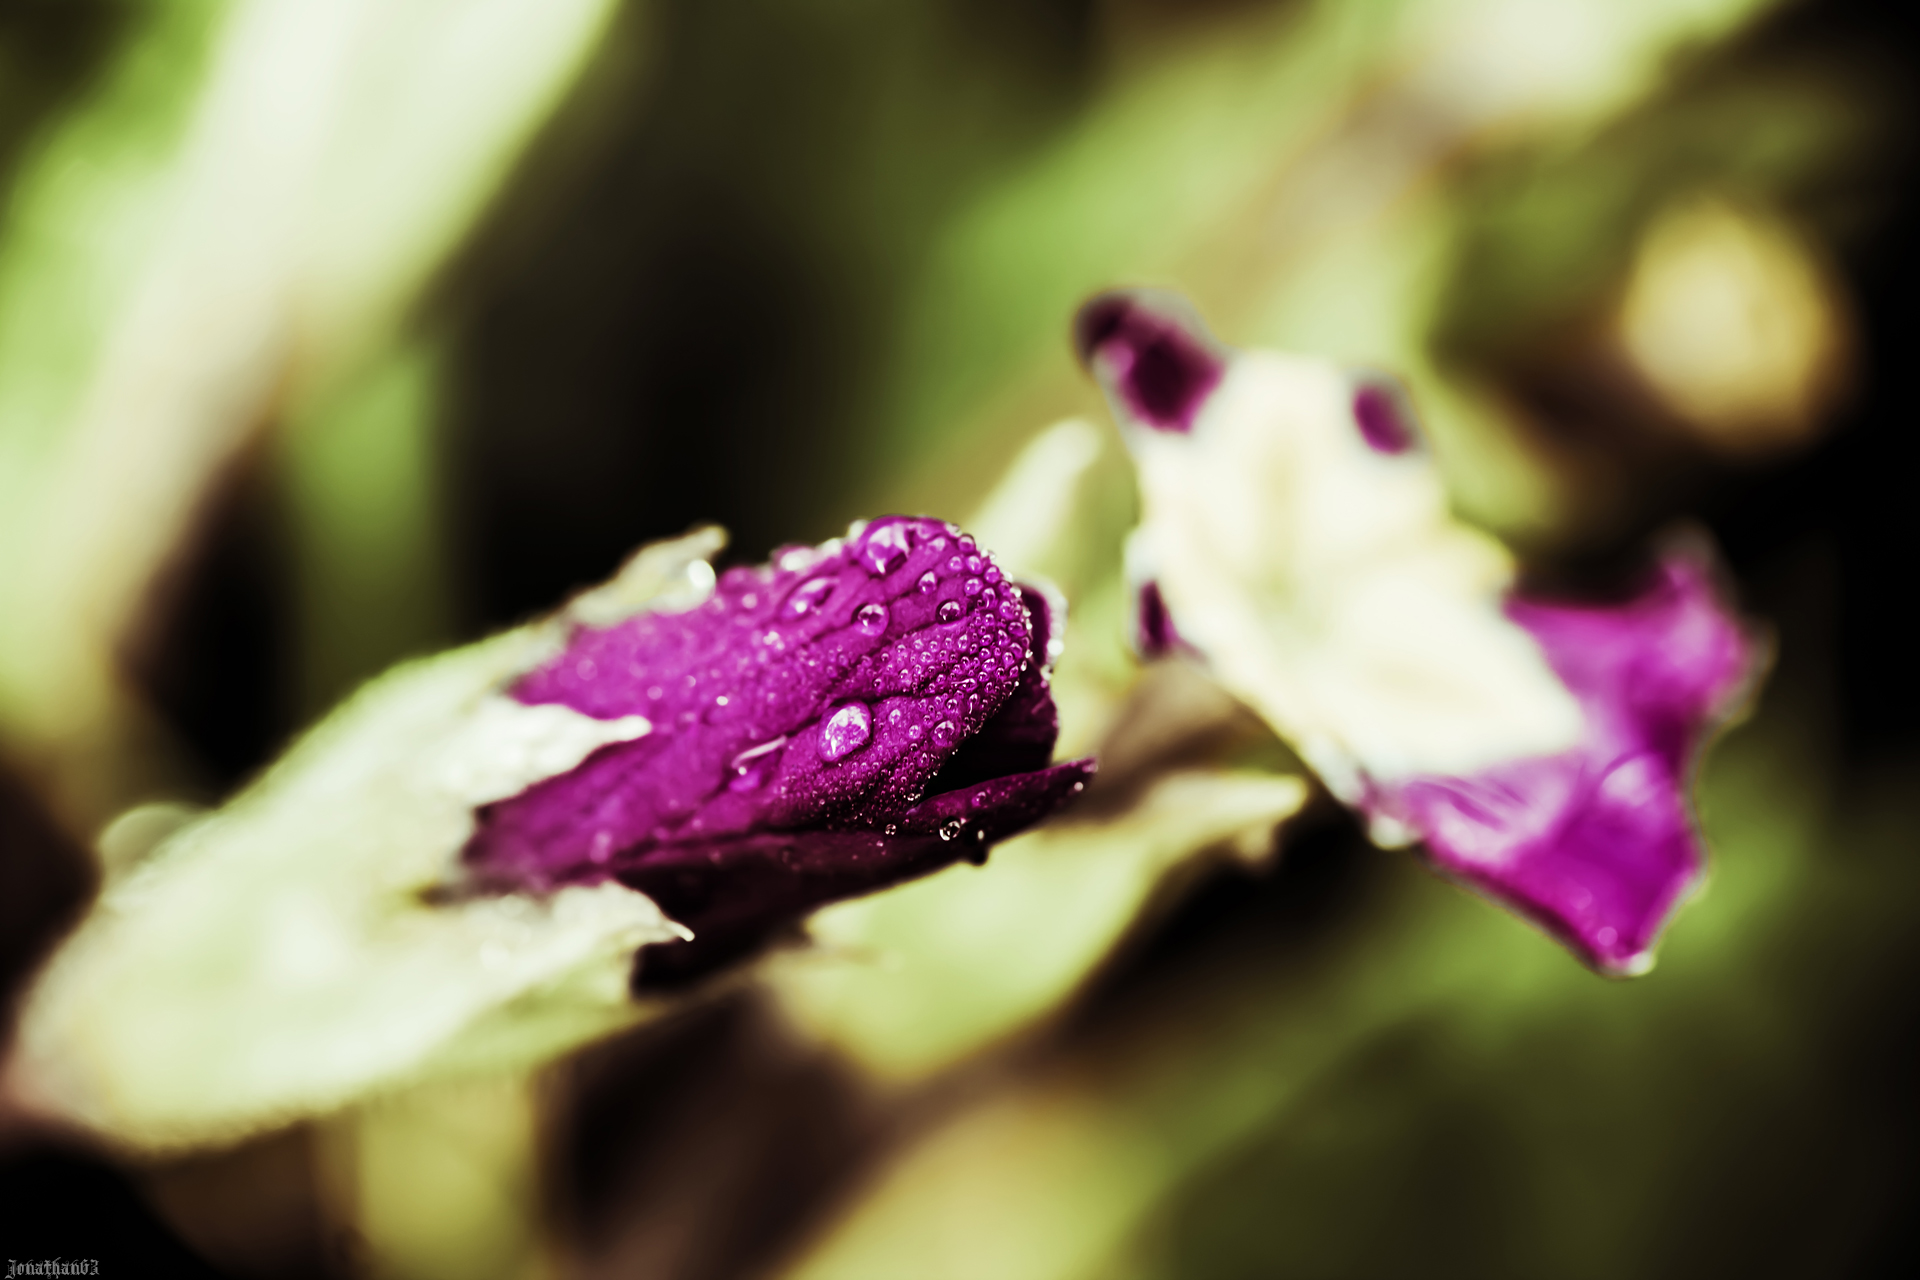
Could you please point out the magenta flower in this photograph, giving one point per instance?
(1297, 537)
(847, 717)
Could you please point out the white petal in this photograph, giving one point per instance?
(1331, 587)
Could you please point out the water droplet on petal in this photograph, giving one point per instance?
(971, 586)
(951, 828)
(845, 731)
(885, 549)
(871, 620)
(808, 596)
(974, 563)
(949, 610)
(752, 767)
(944, 733)
(928, 581)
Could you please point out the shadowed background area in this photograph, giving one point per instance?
(311, 368)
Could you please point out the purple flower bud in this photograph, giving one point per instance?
(847, 717)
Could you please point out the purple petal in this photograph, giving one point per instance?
(769, 877)
(1597, 844)
(1152, 354)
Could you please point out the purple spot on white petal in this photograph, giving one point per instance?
(1156, 365)
(1383, 418)
(1154, 632)
(1597, 844)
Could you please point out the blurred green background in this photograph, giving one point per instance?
(334, 333)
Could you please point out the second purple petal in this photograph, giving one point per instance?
(1598, 844)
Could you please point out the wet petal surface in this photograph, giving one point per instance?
(801, 716)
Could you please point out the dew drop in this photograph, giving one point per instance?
(973, 564)
(953, 565)
(915, 733)
(950, 829)
(808, 596)
(871, 620)
(846, 731)
(752, 767)
(993, 573)
(971, 586)
(885, 549)
(585, 669)
(944, 733)
(949, 610)
(928, 581)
